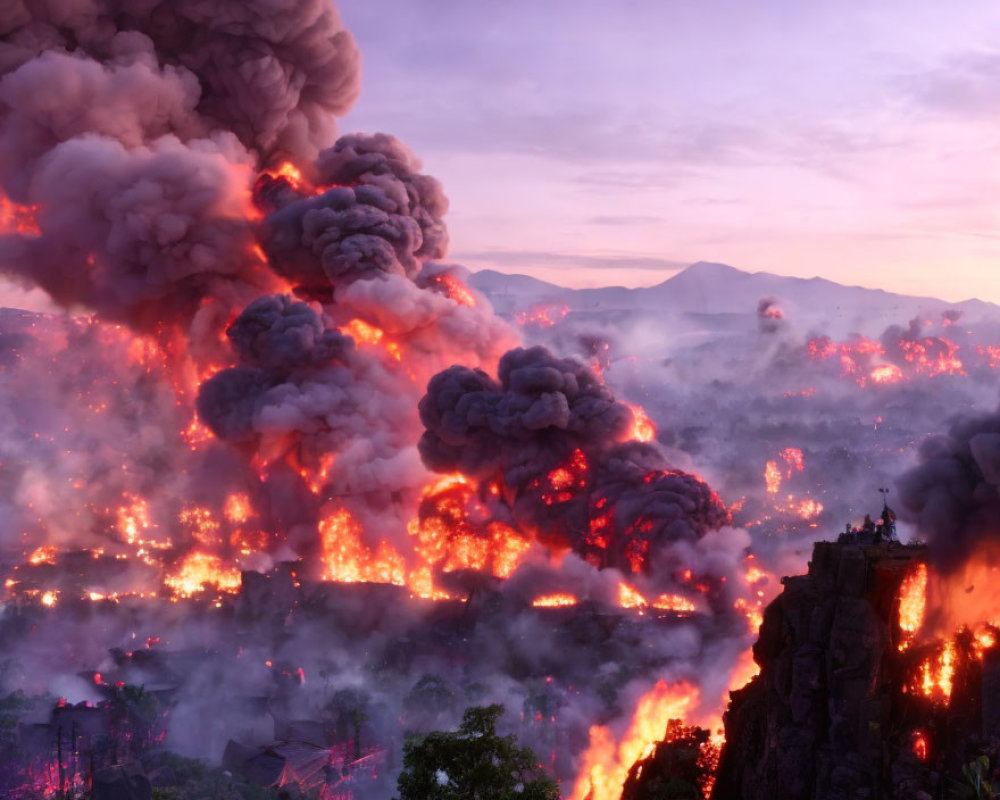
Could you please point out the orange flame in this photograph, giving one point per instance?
(792, 456)
(674, 602)
(133, 519)
(628, 597)
(238, 508)
(201, 570)
(772, 477)
(290, 173)
(46, 554)
(347, 559)
(456, 290)
(452, 535)
(554, 601)
(643, 429)
(912, 600)
(886, 373)
(606, 766)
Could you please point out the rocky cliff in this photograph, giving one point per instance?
(839, 710)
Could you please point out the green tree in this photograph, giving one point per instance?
(977, 773)
(472, 763)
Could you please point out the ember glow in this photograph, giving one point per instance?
(15, 218)
(543, 315)
(871, 363)
(554, 601)
(772, 477)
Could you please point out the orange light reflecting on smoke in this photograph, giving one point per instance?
(15, 218)
(363, 332)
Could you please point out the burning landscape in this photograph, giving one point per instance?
(282, 485)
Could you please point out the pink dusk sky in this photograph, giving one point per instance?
(599, 142)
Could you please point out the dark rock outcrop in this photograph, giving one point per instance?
(836, 712)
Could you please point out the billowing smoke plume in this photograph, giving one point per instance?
(136, 133)
(280, 343)
(379, 217)
(555, 437)
(953, 494)
(769, 315)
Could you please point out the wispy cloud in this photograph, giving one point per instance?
(965, 83)
(532, 258)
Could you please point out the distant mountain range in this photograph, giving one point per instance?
(706, 288)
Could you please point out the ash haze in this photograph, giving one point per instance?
(594, 142)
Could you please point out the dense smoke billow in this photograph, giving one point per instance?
(553, 434)
(953, 493)
(136, 132)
